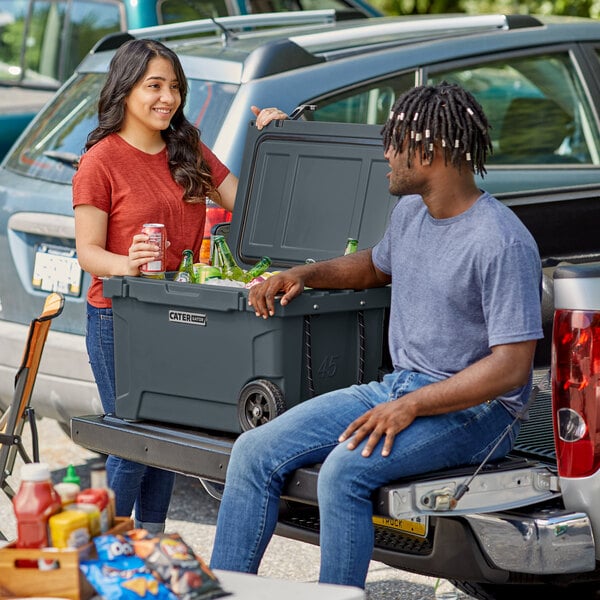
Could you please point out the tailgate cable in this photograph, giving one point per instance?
(463, 488)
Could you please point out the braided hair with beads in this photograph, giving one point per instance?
(439, 117)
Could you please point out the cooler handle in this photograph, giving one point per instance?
(308, 351)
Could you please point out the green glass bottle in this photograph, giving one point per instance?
(351, 246)
(258, 269)
(215, 256)
(186, 273)
(229, 268)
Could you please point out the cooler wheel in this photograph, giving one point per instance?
(260, 401)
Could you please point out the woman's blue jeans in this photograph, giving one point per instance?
(307, 434)
(147, 488)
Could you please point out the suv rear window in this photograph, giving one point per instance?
(49, 149)
(537, 107)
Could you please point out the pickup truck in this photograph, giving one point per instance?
(526, 523)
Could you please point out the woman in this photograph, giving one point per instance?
(144, 163)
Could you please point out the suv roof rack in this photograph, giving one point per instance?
(386, 27)
(220, 24)
(450, 25)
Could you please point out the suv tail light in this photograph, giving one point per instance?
(576, 391)
(214, 215)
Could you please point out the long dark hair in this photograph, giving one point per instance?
(186, 163)
(443, 117)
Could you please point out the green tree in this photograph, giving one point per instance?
(573, 8)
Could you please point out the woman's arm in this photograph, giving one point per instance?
(91, 225)
(228, 190)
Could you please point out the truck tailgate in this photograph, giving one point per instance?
(508, 483)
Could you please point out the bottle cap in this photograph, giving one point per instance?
(35, 472)
(71, 476)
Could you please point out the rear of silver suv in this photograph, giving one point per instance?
(538, 83)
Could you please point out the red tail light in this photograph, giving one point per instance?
(214, 215)
(576, 391)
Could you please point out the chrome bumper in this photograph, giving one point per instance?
(547, 542)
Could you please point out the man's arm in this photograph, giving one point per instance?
(506, 368)
(353, 271)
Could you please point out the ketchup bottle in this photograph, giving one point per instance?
(34, 503)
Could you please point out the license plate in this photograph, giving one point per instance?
(56, 270)
(418, 525)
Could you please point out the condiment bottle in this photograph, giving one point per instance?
(71, 476)
(67, 492)
(34, 503)
(69, 529)
(99, 497)
(69, 487)
(92, 512)
(98, 479)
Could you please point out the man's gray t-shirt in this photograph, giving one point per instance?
(459, 286)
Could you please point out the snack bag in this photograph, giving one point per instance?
(118, 574)
(113, 546)
(174, 563)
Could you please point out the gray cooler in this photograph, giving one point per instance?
(196, 354)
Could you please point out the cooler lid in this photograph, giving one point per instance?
(306, 187)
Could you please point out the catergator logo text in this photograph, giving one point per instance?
(178, 316)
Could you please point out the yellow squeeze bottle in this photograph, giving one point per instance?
(69, 529)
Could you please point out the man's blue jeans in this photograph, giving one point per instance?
(263, 458)
(148, 488)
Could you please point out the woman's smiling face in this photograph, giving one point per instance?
(154, 100)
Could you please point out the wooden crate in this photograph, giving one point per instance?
(65, 581)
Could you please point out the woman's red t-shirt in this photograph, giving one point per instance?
(136, 188)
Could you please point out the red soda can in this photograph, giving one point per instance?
(156, 235)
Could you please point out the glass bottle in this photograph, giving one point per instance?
(185, 272)
(229, 268)
(351, 246)
(258, 269)
(215, 259)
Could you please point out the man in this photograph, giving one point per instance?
(464, 319)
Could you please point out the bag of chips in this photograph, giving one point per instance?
(176, 565)
(118, 574)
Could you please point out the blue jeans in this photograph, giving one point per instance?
(147, 488)
(264, 457)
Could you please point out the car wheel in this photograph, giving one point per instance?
(259, 402)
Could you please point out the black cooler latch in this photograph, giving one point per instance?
(300, 110)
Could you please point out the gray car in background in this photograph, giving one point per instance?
(537, 80)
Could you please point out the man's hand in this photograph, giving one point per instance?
(262, 295)
(385, 420)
